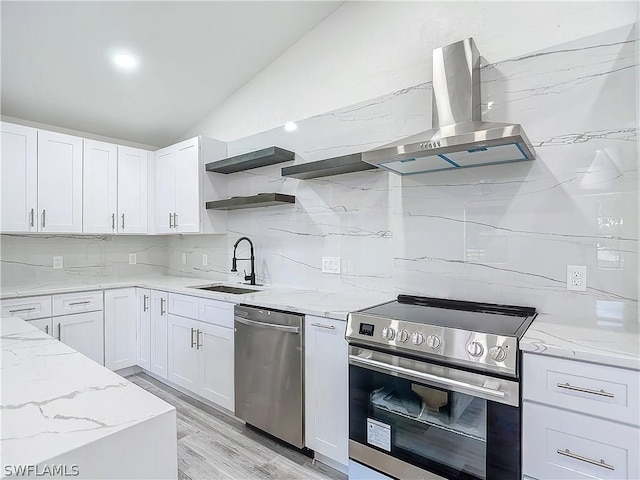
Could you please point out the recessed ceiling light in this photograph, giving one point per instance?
(290, 126)
(125, 61)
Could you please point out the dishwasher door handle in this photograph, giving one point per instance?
(271, 326)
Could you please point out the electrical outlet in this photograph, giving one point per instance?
(577, 278)
(133, 259)
(184, 258)
(330, 264)
(205, 259)
(57, 263)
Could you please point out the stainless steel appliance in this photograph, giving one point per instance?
(458, 138)
(269, 369)
(434, 388)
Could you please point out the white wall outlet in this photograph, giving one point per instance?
(133, 259)
(184, 258)
(205, 259)
(57, 263)
(577, 278)
(330, 264)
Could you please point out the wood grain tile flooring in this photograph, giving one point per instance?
(213, 445)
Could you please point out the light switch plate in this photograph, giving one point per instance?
(58, 263)
(577, 278)
(330, 264)
(133, 259)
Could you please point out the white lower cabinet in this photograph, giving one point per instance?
(183, 356)
(326, 388)
(120, 324)
(159, 333)
(83, 332)
(215, 379)
(44, 324)
(143, 328)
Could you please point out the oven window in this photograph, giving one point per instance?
(438, 430)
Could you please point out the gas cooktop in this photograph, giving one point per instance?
(482, 336)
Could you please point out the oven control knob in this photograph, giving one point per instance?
(475, 349)
(388, 333)
(497, 353)
(417, 338)
(403, 335)
(433, 341)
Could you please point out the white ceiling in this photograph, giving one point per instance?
(57, 69)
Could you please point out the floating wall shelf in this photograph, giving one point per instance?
(328, 167)
(260, 200)
(247, 161)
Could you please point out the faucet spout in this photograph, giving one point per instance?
(251, 278)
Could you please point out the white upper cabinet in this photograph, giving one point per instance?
(133, 165)
(100, 187)
(181, 188)
(59, 183)
(19, 172)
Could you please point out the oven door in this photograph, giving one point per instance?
(413, 419)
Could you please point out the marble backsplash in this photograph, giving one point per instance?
(500, 234)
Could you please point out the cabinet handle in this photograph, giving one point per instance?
(198, 344)
(600, 463)
(328, 327)
(22, 310)
(113, 221)
(602, 393)
(44, 213)
(193, 344)
(46, 329)
(59, 331)
(32, 217)
(175, 220)
(162, 309)
(170, 220)
(80, 303)
(123, 221)
(144, 303)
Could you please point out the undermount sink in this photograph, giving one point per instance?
(227, 289)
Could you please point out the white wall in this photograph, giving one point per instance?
(367, 49)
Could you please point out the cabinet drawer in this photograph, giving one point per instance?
(216, 312)
(607, 392)
(77, 303)
(28, 308)
(565, 445)
(183, 305)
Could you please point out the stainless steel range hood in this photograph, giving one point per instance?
(459, 138)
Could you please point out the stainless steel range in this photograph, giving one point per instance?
(434, 388)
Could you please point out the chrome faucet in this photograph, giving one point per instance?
(234, 264)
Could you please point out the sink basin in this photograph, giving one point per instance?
(226, 289)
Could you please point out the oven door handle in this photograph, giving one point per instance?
(420, 376)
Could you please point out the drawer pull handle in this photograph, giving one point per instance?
(144, 303)
(328, 327)
(23, 310)
(163, 310)
(59, 331)
(567, 453)
(46, 329)
(80, 303)
(602, 393)
(198, 343)
(193, 343)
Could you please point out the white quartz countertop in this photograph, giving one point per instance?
(55, 400)
(312, 302)
(614, 345)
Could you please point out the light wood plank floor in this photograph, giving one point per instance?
(213, 445)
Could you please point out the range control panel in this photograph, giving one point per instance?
(490, 352)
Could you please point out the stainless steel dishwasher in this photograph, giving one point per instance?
(269, 369)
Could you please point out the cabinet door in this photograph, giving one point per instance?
(165, 197)
(159, 332)
(59, 183)
(187, 212)
(84, 332)
(215, 348)
(19, 178)
(326, 388)
(143, 308)
(183, 356)
(132, 190)
(120, 319)
(99, 187)
(43, 324)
